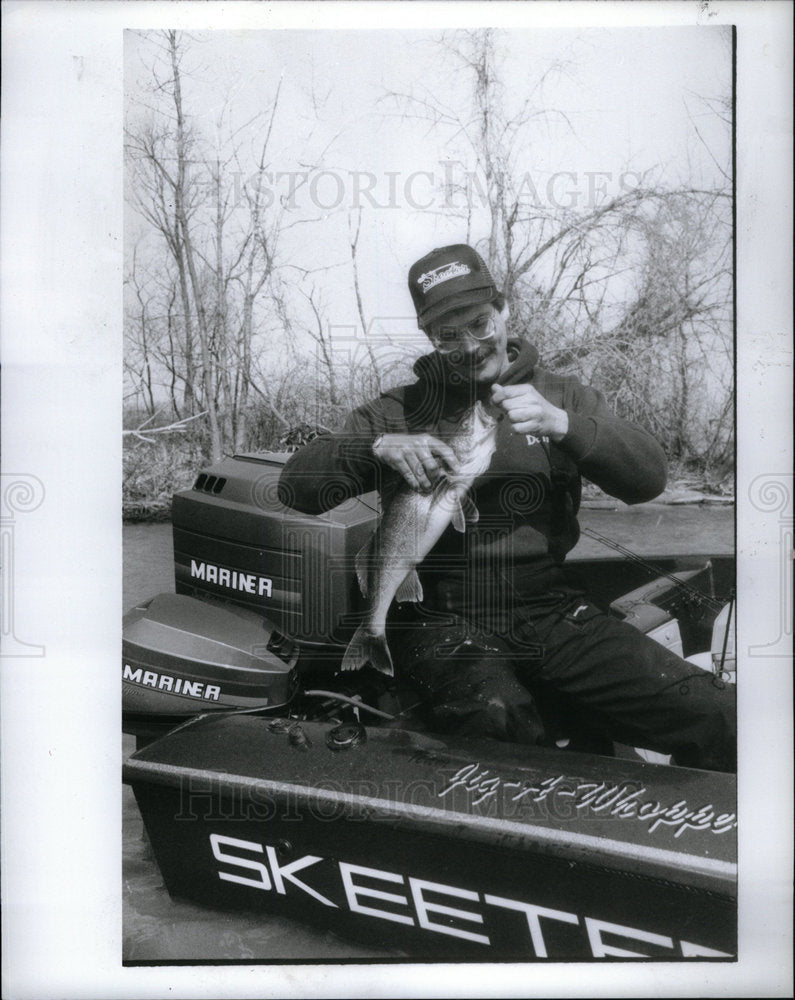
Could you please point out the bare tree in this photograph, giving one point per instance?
(631, 284)
(187, 194)
(164, 193)
(353, 236)
(138, 355)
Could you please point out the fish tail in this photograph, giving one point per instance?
(366, 647)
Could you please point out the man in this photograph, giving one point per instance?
(502, 632)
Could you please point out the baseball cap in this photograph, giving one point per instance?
(449, 278)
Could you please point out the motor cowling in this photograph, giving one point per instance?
(182, 656)
(235, 540)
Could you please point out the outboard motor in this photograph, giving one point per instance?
(250, 575)
(265, 593)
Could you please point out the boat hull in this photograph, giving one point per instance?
(440, 848)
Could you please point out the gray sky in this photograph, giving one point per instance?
(623, 101)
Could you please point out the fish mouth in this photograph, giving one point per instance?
(491, 414)
(482, 419)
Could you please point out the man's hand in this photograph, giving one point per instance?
(420, 458)
(529, 412)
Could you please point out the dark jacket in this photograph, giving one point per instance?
(528, 498)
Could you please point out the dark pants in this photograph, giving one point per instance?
(564, 668)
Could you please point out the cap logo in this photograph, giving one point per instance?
(430, 279)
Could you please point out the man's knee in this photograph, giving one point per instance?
(492, 715)
(714, 729)
(484, 699)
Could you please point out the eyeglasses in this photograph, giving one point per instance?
(447, 339)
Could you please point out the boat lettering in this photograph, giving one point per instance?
(279, 871)
(386, 895)
(232, 579)
(174, 685)
(621, 801)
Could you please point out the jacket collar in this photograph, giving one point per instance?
(523, 356)
(439, 395)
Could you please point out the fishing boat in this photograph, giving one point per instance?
(269, 781)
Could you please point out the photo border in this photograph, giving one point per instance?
(62, 204)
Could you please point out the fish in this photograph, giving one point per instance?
(412, 522)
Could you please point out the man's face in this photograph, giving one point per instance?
(473, 342)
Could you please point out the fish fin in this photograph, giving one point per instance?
(471, 512)
(366, 648)
(362, 561)
(459, 518)
(464, 512)
(410, 589)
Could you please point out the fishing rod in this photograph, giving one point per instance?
(692, 592)
(726, 634)
(712, 603)
(557, 475)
